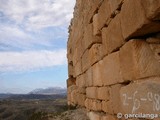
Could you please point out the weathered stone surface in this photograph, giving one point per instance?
(71, 81)
(115, 98)
(114, 5)
(96, 30)
(92, 104)
(80, 81)
(104, 14)
(70, 69)
(97, 74)
(85, 61)
(133, 19)
(111, 73)
(95, 53)
(71, 88)
(81, 99)
(74, 97)
(152, 9)
(103, 93)
(89, 39)
(91, 92)
(112, 38)
(89, 77)
(107, 107)
(81, 90)
(141, 96)
(108, 117)
(94, 116)
(141, 60)
(78, 68)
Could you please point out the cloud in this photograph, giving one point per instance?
(25, 24)
(38, 14)
(31, 60)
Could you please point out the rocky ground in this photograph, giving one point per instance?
(76, 114)
(56, 109)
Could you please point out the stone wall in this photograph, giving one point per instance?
(114, 58)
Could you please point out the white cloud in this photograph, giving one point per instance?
(31, 60)
(37, 14)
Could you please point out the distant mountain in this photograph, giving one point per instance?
(49, 91)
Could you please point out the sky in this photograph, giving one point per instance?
(33, 38)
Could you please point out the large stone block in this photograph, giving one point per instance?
(81, 99)
(134, 22)
(96, 30)
(141, 96)
(71, 81)
(89, 77)
(85, 61)
(80, 81)
(96, 105)
(107, 107)
(111, 73)
(104, 14)
(71, 88)
(103, 93)
(115, 98)
(81, 90)
(94, 116)
(70, 69)
(78, 68)
(97, 74)
(74, 97)
(152, 9)
(112, 38)
(91, 92)
(139, 59)
(95, 53)
(89, 39)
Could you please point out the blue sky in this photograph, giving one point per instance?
(33, 38)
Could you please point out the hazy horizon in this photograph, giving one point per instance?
(33, 40)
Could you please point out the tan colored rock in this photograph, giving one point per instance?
(91, 92)
(107, 107)
(134, 22)
(112, 38)
(81, 90)
(78, 68)
(141, 60)
(111, 73)
(108, 117)
(80, 81)
(74, 97)
(71, 81)
(96, 30)
(141, 96)
(94, 116)
(97, 74)
(104, 14)
(96, 105)
(70, 69)
(115, 98)
(152, 9)
(85, 61)
(95, 53)
(89, 39)
(103, 93)
(89, 77)
(81, 99)
(71, 88)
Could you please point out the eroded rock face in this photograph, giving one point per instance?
(113, 56)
